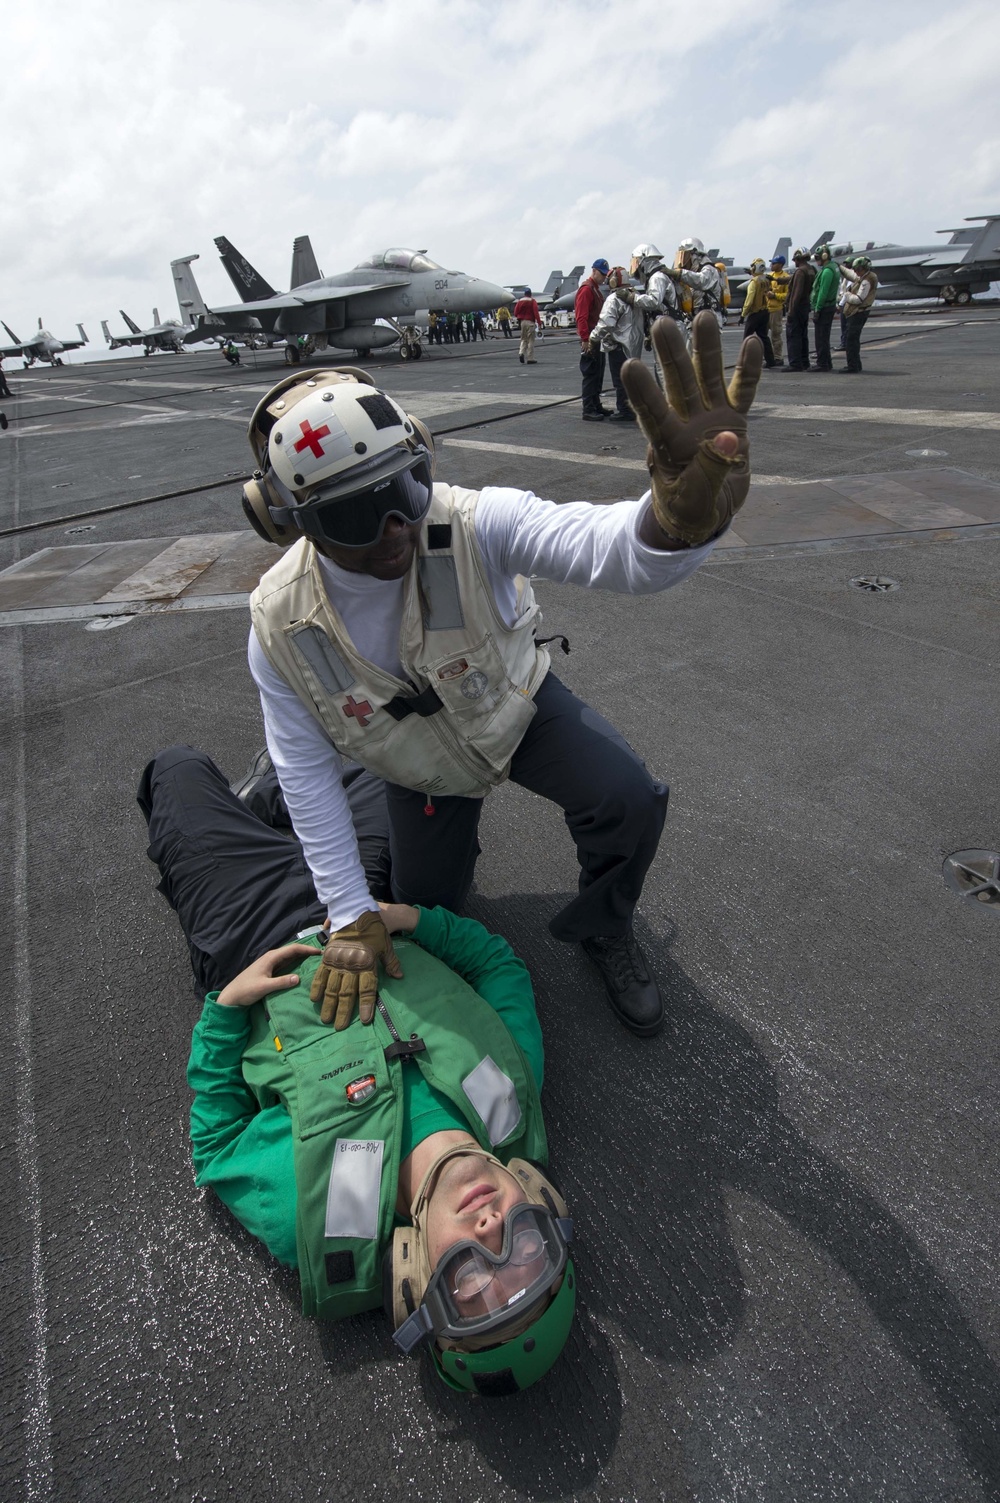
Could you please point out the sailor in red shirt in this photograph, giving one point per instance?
(527, 314)
(587, 308)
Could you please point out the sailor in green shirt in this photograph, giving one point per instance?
(394, 1159)
(823, 302)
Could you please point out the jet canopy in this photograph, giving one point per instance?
(398, 259)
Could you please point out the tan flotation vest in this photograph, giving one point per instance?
(453, 723)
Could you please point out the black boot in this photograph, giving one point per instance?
(633, 993)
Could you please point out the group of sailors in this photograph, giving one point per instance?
(778, 302)
(456, 328)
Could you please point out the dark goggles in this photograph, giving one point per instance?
(353, 516)
(474, 1292)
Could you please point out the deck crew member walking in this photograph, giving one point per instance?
(527, 314)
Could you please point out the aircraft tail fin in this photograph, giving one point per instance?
(13, 336)
(986, 245)
(249, 283)
(555, 280)
(825, 238)
(156, 317)
(305, 267)
(782, 248)
(107, 333)
(189, 298)
(83, 334)
(133, 327)
(575, 276)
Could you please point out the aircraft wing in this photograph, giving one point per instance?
(73, 344)
(265, 305)
(12, 350)
(336, 294)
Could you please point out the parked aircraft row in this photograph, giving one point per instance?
(41, 346)
(372, 305)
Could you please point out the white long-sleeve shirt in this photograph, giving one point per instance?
(595, 546)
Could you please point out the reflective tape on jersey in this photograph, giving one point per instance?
(352, 1198)
(493, 1095)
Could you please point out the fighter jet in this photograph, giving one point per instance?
(342, 310)
(556, 289)
(168, 335)
(968, 263)
(41, 346)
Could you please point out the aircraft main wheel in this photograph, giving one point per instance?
(418, 350)
(291, 355)
(58, 361)
(963, 298)
(404, 352)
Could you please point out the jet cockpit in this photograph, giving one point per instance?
(398, 259)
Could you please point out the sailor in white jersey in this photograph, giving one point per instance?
(398, 630)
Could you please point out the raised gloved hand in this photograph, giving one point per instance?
(698, 455)
(626, 293)
(348, 970)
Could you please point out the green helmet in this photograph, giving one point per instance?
(821, 251)
(461, 1309)
(862, 263)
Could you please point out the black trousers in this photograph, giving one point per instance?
(237, 884)
(855, 323)
(592, 371)
(822, 325)
(759, 324)
(797, 339)
(4, 388)
(613, 809)
(617, 357)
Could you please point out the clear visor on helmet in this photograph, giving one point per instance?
(351, 513)
(474, 1292)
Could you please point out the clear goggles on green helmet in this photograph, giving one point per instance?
(476, 1293)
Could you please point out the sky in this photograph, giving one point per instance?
(505, 138)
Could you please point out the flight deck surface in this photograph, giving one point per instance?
(785, 1204)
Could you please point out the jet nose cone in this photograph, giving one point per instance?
(494, 296)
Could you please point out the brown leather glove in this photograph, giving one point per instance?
(696, 489)
(348, 971)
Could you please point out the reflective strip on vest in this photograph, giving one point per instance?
(323, 658)
(442, 600)
(493, 1095)
(352, 1199)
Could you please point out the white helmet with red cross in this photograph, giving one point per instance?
(328, 440)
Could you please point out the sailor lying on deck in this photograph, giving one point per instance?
(396, 1160)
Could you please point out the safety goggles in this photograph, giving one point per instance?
(474, 1292)
(353, 515)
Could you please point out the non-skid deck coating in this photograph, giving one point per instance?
(786, 1205)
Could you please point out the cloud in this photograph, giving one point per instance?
(505, 139)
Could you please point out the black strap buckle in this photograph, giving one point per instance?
(404, 1048)
(426, 704)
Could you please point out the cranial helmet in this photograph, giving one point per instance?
(617, 277)
(800, 255)
(862, 263)
(336, 457)
(493, 1323)
(757, 265)
(821, 251)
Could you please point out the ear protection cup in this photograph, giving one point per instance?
(257, 500)
(397, 1297)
